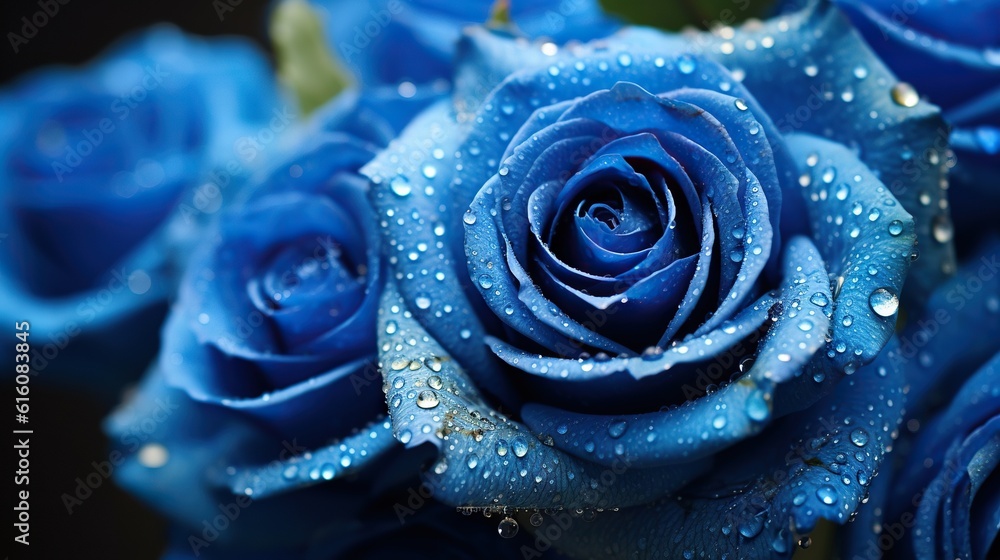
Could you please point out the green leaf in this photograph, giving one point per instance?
(305, 65)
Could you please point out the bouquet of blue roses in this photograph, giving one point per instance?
(536, 284)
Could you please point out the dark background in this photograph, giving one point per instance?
(67, 424)
(67, 435)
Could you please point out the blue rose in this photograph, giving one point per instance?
(950, 53)
(95, 163)
(676, 266)
(268, 355)
(394, 41)
(939, 496)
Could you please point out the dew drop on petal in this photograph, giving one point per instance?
(757, 407)
(941, 229)
(519, 446)
(859, 437)
(686, 64)
(819, 299)
(884, 302)
(427, 399)
(904, 95)
(826, 494)
(400, 186)
(617, 429)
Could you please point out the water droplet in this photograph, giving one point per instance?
(873, 214)
(895, 228)
(757, 407)
(625, 60)
(843, 191)
(904, 94)
(752, 527)
(805, 325)
(434, 382)
(423, 302)
(400, 186)
(719, 422)
(427, 399)
(472, 461)
(848, 320)
(686, 64)
(826, 494)
(617, 429)
(736, 255)
(805, 542)
(469, 218)
(860, 72)
(327, 470)
(829, 174)
(405, 436)
(430, 171)
(502, 448)
(519, 446)
(862, 478)
(883, 302)
(345, 461)
(508, 528)
(941, 228)
(485, 281)
(859, 437)
(741, 105)
(819, 299)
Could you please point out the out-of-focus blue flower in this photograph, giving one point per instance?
(670, 259)
(93, 165)
(949, 51)
(268, 355)
(939, 495)
(394, 41)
